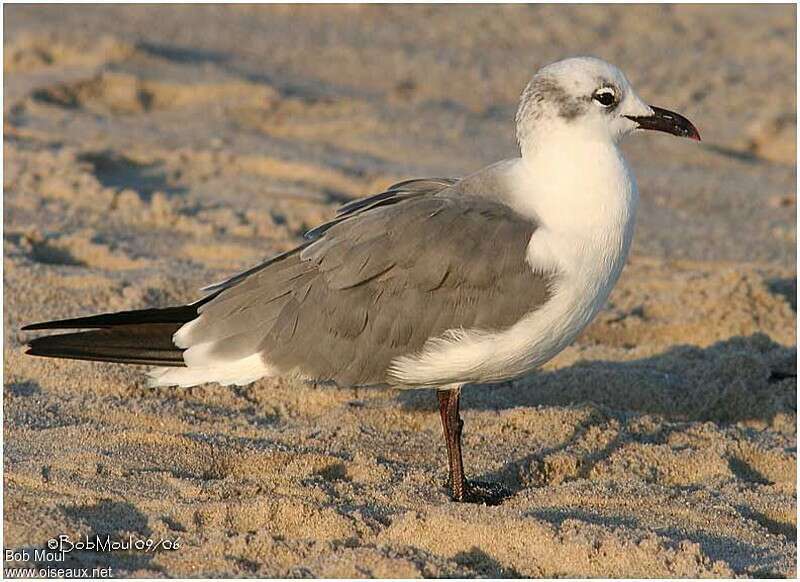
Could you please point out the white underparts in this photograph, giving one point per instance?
(583, 198)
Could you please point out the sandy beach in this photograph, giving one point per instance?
(151, 150)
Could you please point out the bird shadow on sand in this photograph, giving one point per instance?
(738, 379)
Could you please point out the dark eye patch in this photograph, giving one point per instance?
(605, 96)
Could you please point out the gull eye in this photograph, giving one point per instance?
(605, 96)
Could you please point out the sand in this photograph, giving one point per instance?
(152, 150)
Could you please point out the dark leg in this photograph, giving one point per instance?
(460, 488)
(452, 424)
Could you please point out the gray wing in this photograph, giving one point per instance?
(376, 283)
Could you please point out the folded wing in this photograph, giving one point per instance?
(377, 282)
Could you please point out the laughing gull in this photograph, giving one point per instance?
(435, 282)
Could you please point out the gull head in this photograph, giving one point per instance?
(588, 98)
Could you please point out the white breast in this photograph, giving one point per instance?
(585, 205)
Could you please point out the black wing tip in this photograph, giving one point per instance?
(179, 314)
(42, 346)
(42, 352)
(66, 324)
(90, 322)
(42, 325)
(51, 347)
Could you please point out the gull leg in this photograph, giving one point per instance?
(460, 489)
(449, 400)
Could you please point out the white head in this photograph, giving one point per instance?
(591, 97)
